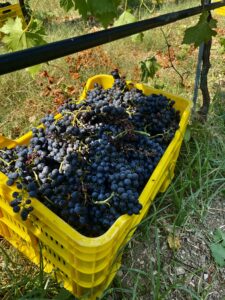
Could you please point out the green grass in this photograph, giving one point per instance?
(149, 266)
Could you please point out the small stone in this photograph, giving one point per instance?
(205, 276)
(152, 259)
(192, 283)
(180, 271)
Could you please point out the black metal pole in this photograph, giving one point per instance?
(25, 58)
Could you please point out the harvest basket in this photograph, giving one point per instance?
(85, 265)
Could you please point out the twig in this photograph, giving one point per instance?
(170, 58)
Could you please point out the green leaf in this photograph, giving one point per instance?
(201, 32)
(36, 26)
(218, 252)
(14, 35)
(104, 10)
(12, 25)
(100, 7)
(137, 38)
(219, 236)
(34, 70)
(126, 18)
(218, 248)
(81, 6)
(16, 38)
(66, 4)
(149, 67)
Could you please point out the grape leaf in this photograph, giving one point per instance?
(218, 248)
(219, 236)
(126, 18)
(104, 10)
(81, 6)
(34, 70)
(13, 34)
(218, 252)
(16, 38)
(36, 26)
(149, 67)
(66, 4)
(201, 32)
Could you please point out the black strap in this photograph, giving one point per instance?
(25, 58)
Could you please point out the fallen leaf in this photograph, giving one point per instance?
(174, 242)
(32, 119)
(75, 75)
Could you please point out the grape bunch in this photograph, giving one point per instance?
(89, 165)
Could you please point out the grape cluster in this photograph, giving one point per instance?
(90, 165)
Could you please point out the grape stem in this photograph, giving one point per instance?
(5, 162)
(36, 177)
(61, 166)
(106, 201)
(143, 133)
(46, 198)
(121, 134)
(129, 111)
(3, 151)
(151, 136)
(75, 115)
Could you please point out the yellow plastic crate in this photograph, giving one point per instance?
(221, 10)
(11, 11)
(85, 265)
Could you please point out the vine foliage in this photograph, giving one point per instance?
(107, 13)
